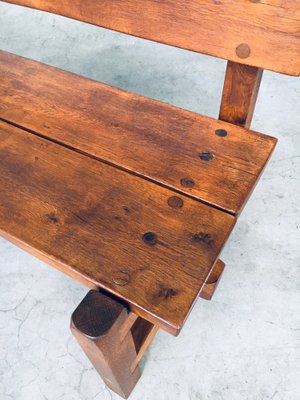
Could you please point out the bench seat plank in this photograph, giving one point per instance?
(261, 33)
(144, 136)
(88, 219)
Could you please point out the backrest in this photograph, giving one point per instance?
(259, 33)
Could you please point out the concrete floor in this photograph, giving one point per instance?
(244, 345)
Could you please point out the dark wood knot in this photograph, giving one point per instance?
(221, 132)
(206, 156)
(166, 292)
(203, 237)
(175, 202)
(52, 218)
(187, 182)
(150, 238)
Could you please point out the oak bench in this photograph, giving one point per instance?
(133, 197)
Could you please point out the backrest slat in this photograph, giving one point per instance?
(264, 34)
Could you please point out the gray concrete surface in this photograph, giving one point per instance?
(244, 345)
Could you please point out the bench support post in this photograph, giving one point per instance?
(240, 92)
(113, 339)
(213, 280)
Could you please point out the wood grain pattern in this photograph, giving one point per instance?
(210, 160)
(88, 219)
(270, 28)
(96, 324)
(240, 92)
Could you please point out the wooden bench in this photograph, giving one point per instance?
(133, 197)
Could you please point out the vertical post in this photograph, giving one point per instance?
(113, 339)
(213, 280)
(98, 325)
(240, 92)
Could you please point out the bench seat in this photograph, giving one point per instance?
(212, 161)
(108, 228)
(121, 192)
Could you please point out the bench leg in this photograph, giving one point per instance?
(240, 92)
(213, 280)
(113, 339)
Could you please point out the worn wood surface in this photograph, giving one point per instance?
(240, 92)
(210, 160)
(109, 228)
(96, 324)
(264, 33)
